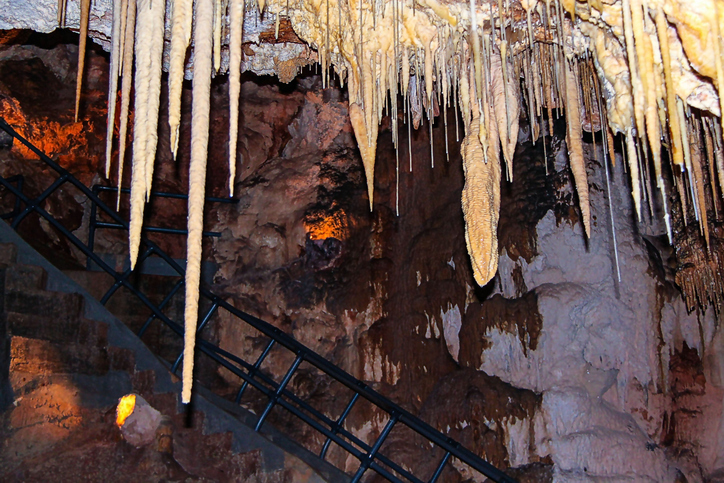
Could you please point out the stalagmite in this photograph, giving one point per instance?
(82, 42)
(180, 38)
(203, 50)
(575, 146)
(236, 29)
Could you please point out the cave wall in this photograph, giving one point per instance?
(553, 363)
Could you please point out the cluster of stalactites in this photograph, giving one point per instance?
(466, 56)
(647, 70)
(624, 64)
(137, 60)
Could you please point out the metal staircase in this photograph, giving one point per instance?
(326, 421)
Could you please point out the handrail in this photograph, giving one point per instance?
(94, 224)
(18, 178)
(278, 394)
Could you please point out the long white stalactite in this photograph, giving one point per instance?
(236, 30)
(116, 56)
(182, 17)
(200, 106)
(126, 82)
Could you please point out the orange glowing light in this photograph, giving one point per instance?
(333, 226)
(51, 137)
(125, 408)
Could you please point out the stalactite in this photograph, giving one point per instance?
(367, 142)
(481, 202)
(140, 127)
(236, 20)
(699, 185)
(218, 14)
(201, 91)
(116, 56)
(126, 82)
(718, 63)
(575, 144)
(636, 85)
(82, 42)
(157, 16)
(507, 112)
(475, 55)
(180, 38)
(61, 13)
(633, 165)
(662, 27)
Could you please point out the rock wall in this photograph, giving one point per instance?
(608, 355)
(556, 367)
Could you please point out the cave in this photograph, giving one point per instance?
(408, 240)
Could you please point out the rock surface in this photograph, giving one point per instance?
(556, 367)
(265, 52)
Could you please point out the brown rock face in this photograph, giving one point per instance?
(554, 355)
(381, 295)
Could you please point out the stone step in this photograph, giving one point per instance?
(123, 303)
(56, 305)
(81, 367)
(61, 331)
(8, 253)
(43, 357)
(20, 277)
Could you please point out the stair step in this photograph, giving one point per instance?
(45, 303)
(42, 357)
(95, 283)
(123, 303)
(121, 359)
(80, 331)
(8, 253)
(20, 277)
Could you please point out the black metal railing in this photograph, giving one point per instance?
(96, 223)
(333, 429)
(18, 180)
